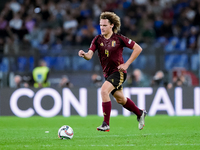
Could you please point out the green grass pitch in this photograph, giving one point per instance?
(160, 132)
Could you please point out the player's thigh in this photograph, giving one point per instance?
(119, 96)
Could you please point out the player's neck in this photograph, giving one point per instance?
(107, 36)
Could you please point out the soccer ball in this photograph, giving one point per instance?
(65, 132)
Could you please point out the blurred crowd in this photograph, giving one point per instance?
(179, 78)
(39, 78)
(52, 24)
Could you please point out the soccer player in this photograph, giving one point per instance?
(109, 45)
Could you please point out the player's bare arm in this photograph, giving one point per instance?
(136, 51)
(85, 55)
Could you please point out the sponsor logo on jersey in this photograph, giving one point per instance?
(129, 42)
(113, 43)
(101, 44)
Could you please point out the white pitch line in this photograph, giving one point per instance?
(126, 145)
(122, 135)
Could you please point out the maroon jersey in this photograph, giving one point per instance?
(110, 51)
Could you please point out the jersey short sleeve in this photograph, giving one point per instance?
(127, 42)
(93, 45)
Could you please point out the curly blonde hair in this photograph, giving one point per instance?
(113, 19)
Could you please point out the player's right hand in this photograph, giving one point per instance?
(81, 53)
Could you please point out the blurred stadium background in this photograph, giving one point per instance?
(164, 79)
(54, 30)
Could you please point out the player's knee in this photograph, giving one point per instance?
(104, 93)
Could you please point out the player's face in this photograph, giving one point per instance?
(105, 26)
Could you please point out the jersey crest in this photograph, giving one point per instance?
(113, 43)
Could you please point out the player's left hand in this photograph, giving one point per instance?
(122, 67)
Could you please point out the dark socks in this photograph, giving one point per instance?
(106, 111)
(130, 105)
